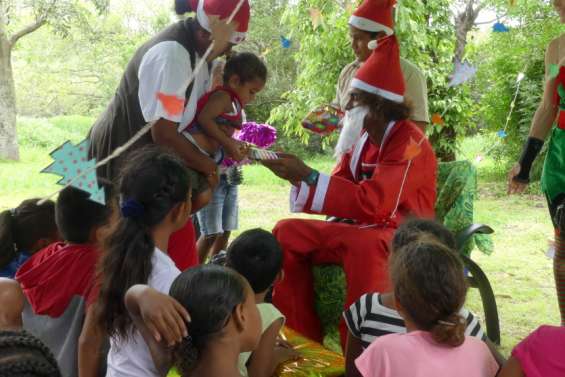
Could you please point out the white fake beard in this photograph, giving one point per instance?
(351, 131)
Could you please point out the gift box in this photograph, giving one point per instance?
(323, 121)
(315, 360)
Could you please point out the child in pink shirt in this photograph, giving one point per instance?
(539, 355)
(429, 291)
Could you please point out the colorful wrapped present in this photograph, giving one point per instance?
(315, 360)
(323, 121)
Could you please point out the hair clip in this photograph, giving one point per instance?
(131, 208)
(445, 323)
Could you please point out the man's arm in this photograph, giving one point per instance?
(90, 343)
(12, 301)
(164, 132)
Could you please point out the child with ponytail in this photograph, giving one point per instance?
(429, 291)
(155, 198)
(224, 321)
(23, 231)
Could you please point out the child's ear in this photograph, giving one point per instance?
(234, 81)
(239, 317)
(280, 276)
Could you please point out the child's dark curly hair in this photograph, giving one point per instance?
(246, 66)
(23, 355)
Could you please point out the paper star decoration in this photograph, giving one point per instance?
(412, 150)
(285, 43)
(72, 164)
(221, 33)
(437, 120)
(463, 73)
(500, 28)
(173, 105)
(316, 16)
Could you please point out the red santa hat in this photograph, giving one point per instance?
(374, 16)
(221, 8)
(381, 73)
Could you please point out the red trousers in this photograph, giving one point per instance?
(363, 253)
(182, 247)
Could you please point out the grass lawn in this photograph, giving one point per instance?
(519, 271)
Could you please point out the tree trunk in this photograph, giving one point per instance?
(8, 137)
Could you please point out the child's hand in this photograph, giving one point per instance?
(284, 354)
(163, 316)
(237, 150)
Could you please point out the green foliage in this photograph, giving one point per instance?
(319, 55)
(50, 133)
(426, 34)
(520, 50)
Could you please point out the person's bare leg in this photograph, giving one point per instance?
(204, 246)
(559, 260)
(221, 243)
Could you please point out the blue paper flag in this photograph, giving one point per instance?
(501, 134)
(500, 28)
(285, 43)
(71, 161)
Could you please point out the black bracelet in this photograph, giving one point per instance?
(532, 147)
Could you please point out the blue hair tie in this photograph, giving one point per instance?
(132, 209)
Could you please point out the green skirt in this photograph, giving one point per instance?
(553, 175)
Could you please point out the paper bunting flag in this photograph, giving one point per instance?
(501, 134)
(553, 71)
(173, 105)
(437, 120)
(463, 73)
(412, 150)
(500, 28)
(285, 43)
(72, 164)
(316, 17)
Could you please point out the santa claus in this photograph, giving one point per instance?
(388, 176)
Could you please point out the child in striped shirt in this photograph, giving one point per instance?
(374, 314)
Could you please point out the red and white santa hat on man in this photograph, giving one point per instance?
(381, 73)
(223, 10)
(374, 16)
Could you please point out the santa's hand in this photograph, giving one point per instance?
(288, 167)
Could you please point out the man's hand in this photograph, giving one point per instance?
(288, 167)
(515, 187)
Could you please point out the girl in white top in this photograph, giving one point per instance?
(155, 201)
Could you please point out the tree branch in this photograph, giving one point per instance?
(27, 30)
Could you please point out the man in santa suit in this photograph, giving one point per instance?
(389, 175)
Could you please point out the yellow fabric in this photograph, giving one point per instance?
(415, 82)
(269, 314)
(315, 360)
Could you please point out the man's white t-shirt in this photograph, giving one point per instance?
(132, 358)
(166, 68)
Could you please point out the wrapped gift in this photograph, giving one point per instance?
(323, 121)
(315, 360)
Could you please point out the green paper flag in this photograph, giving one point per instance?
(553, 71)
